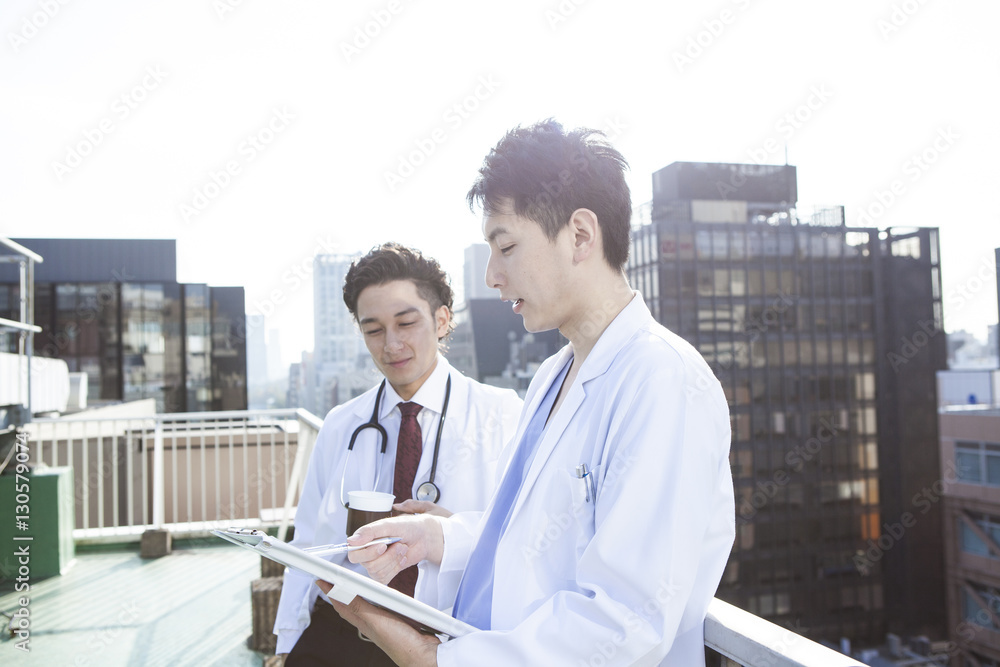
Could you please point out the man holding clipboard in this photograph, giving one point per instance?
(614, 518)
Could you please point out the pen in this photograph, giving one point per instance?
(584, 474)
(330, 549)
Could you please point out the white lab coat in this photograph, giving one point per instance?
(480, 420)
(626, 580)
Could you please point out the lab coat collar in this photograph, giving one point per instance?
(614, 338)
(430, 395)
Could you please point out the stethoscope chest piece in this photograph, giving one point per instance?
(428, 491)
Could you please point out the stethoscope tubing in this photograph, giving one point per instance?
(433, 494)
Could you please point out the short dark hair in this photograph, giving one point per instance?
(547, 173)
(393, 261)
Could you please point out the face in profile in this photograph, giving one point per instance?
(401, 333)
(529, 269)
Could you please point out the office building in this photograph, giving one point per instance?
(336, 336)
(474, 284)
(970, 460)
(274, 367)
(113, 309)
(340, 362)
(257, 378)
(992, 342)
(970, 487)
(826, 340)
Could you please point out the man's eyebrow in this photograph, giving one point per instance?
(407, 311)
(496, 232)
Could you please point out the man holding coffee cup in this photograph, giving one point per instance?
(441, 434)
(613, 522)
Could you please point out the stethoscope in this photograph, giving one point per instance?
(426, 491)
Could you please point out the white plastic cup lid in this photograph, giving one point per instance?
(370, 501)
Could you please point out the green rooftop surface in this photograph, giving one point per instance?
(112, 607)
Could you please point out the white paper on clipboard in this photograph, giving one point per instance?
(347, 584)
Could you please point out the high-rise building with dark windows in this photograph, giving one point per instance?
(113, 309)
(826, 339)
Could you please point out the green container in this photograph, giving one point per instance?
(50, 521)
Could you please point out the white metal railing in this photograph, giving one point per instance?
(186, 472)
(745, 639)
(25, 325)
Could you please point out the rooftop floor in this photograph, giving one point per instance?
(112, 607)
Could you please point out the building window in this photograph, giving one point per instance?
(770, 605)
(973, 612)
(970, 540)
(978, 462)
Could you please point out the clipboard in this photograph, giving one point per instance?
(347, 584)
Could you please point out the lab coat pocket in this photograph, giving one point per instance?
(583, 497)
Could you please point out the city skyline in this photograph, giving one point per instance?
(260, 136)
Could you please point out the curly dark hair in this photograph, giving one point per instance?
(547, 173)
(393, 261)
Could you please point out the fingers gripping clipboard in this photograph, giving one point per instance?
(347, 584)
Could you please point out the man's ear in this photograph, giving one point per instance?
(586, 234)
(442, 318)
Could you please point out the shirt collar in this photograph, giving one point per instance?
(430, 395)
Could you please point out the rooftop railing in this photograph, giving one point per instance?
(184, 472)
(192, 472)
(743, 639)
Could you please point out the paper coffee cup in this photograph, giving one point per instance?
(363, 507)
(370, 501)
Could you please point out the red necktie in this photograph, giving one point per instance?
(408, 449)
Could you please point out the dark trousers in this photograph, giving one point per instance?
(330, 641)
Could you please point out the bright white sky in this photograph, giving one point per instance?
(885, 78)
